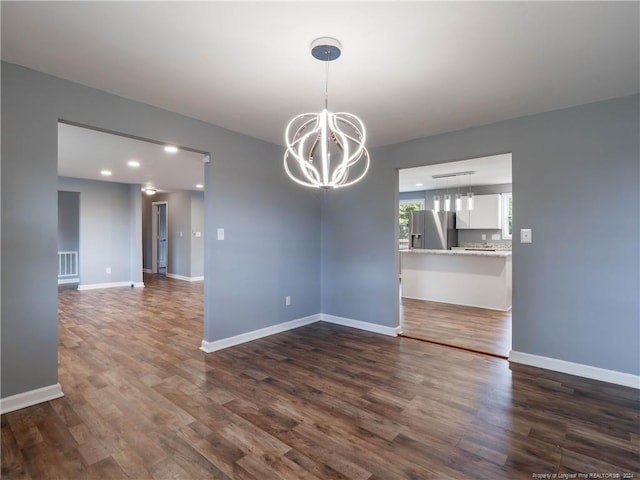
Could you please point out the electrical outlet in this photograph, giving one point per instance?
(484, 236)
(287, 300)
(495, 236)
(108, 270)
(220, 234)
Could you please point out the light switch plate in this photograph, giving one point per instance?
(525, 235)
(221, 234)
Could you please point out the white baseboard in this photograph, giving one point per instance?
(186, 279)
(93, 286)
(578, 369)
(369, 327)
(147, 270)
(209, 347)
(216, 345)
(32, 397)
(63, 281)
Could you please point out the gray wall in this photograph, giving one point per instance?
(471, 235)
(197, 225)
(135, 222)
(68, 221)
(575, 287)
(146, 230)
(185, 213)
(272, 243)
(179, 221)
(106, 233)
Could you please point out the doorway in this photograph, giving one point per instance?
(457, 293)
(159, 233)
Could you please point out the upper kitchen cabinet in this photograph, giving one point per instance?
(486, 213)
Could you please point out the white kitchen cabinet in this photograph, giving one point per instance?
(486, 213)
(462, 217)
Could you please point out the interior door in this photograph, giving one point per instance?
(159, 236)
(162, 238)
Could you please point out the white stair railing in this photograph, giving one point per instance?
(67, 265)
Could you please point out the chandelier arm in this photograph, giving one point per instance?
(324, 126)
(340, 139)
(352, 159)
(313, 149)
(309, 171)
(295, 179)
(359, 177)
(357, 126)
(337, 143)
(358, 141)
(355, 141)
(298, 131)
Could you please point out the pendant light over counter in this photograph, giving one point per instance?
(457, 204)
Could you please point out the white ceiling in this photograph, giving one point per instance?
(408, 69)
(83, 153)
(493, 170)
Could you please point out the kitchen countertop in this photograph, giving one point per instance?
(467, 253)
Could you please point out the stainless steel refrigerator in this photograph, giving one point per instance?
(432, 230)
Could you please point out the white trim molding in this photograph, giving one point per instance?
(147, 270)
(186, 279)
(63, 281)
(32, 397)
(369, 327)
(209, 347)
(94, 286)
(578, 369)
(138, 285)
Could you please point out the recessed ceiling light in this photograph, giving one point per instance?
(170, 149)
(133, 163)
(150, 191)
(418, 184)
(199, 186)
(106, 173)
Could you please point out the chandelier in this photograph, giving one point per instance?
(326, 150)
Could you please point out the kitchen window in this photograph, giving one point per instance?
(507, 216)
(406, 207)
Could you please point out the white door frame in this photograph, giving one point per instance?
(154, 234)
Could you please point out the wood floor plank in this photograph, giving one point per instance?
(319, 402)
(473, 328)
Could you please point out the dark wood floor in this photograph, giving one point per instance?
(323, 401)
(473, 328)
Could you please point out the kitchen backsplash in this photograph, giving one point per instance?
(497, 245)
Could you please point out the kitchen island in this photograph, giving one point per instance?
(477, 278)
